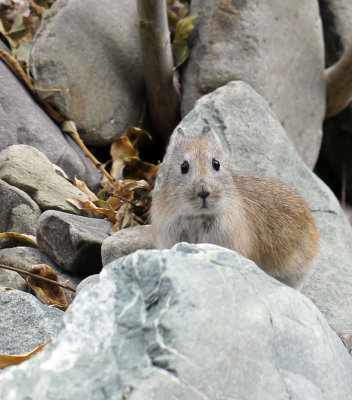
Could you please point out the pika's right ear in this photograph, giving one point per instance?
(180, 132)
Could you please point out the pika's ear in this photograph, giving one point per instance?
(206, 130)
(211, 135)
(180, 132)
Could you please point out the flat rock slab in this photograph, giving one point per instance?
(25, 322)
(276, 47)
(97, 57)
(18, 212)
(30, 170)
(259, 145)
(73, 242)
(194, 322)
(22, 121)
(126, 241)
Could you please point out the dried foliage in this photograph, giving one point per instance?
(126, 200)
(45, 291)
(8, 361)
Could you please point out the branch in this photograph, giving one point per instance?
(20, 271)
(339, 84)
(161, 83)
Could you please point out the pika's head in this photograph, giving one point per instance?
(198, 177)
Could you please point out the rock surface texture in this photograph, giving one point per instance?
(18, 212)
(24, 122)
(125, 336)
(97, 57)
(245, 41)
(73, 241)
(126, 241)
(25, 322)
(30, 170)
(335, 162)
(259, 145)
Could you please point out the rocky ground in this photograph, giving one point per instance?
(196, 321)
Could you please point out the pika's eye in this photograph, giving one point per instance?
(216, 164)
(184, 167)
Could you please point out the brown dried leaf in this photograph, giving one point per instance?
(7, 361)
(114, 202)
(47, 292)
(137, 169)
(124, 218)
(124, 147)
(109, 213)
(29, 238)
(81, 185)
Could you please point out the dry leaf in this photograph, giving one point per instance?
(47, 292)
(89, 206)
(29, 238)
(137, 169)
(180, 45)
(81, 185)
(8, 361)
(124, 218)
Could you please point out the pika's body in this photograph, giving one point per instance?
(201, 200)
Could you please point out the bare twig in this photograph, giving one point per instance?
(63, 285)
(339, 84)
(160, 79)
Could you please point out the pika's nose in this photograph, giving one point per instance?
(202, 190)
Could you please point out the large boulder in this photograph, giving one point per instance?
(335, 161)
(22, 121)
(92, 49)
(194, 322)
(276, 47)
(259, 145)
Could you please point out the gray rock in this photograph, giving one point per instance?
(100, 65)
(11, 279)
(73, 242)
(30, 170)
(126, 241)
(25, 322)
(335, 163)
(259, 145)
(87, 282)
(23, 257)
(22, 121)
(276, 47)
(18, 212)
(194, 322)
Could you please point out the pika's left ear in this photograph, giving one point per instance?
(206, 130)
(211, 135)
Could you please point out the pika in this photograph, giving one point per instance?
(202, 200)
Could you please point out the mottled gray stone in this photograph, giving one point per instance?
(335, 163)
(25, 322)
(100, 65)
(18, 212)
(73, 241)
(259, 145)
(23, 257)
(30, 170)
(276, 47)
(194, 322)
(87, 282)
(11, 279)
(126, 241)
(22, 121)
